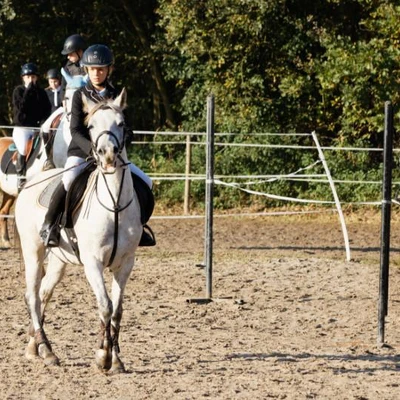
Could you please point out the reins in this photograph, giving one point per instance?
(115, 210)
(88, 160)
(116, 206)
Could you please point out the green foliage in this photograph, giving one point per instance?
(273, 66)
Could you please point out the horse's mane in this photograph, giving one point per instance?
(103, 105)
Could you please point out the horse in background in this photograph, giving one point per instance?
(36, 160)
(48, 148)
(104, 233)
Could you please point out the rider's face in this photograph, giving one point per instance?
(29, 78)
(98, 75)
(75, 56)
(54, 83)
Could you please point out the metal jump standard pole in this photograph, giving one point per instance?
(385, 227)
(209, 200)
(209, 194)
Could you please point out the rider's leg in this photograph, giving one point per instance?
(137, 171)
(147, 238)
(21, 137)
(50, 232)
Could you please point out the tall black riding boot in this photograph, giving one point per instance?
(20, 168)
(50, 232)
(48, 147)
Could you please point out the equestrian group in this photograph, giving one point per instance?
(79, 199)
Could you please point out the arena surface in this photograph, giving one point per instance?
(291, 318)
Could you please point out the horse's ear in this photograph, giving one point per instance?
(120, 101)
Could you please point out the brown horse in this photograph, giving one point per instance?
(7, 200)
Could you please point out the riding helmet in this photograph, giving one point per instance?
(73, 43)
(29, 69)
(97, 55)
(53, 74)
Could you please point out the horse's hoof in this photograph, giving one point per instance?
(31, 352)
(31, 356)
(103, 360)
(47, 354)
(5, 244)
(51, 359)
(117, 368)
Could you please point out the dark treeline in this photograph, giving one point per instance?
(273, 65)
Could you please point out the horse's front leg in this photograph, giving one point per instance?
(38, 343)
(94, 275)
(118, 287)
(54, 273)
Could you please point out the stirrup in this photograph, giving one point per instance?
(148, 239)
(50, 235)
(21, 181)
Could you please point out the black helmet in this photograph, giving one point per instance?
(73, 43)
(53, 74)
(97, 55)
(29, 69)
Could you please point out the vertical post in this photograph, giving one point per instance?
(335, 196)
(209, 194)
(385, 227)
(186, 200)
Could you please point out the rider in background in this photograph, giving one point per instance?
(53, 91)
(98, 61)
(31, 107)
(74, 46)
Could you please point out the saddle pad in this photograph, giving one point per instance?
(145, 197)
(45, 196)
(8, 167)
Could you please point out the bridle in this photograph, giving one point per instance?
(117, 208)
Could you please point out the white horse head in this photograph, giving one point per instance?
(106, 129)
(108, 229)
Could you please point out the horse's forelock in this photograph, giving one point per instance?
(103, 105)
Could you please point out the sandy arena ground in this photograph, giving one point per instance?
(291, 318)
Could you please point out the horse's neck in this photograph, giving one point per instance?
(115, 189)
(69, 94)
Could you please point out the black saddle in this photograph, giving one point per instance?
(77, 190)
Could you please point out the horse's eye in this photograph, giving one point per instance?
(90, 127)
(121, 124)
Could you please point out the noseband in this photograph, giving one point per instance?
(109, 133)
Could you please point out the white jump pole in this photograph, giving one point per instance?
(335, 196)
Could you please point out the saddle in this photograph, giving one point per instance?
(78, 188)
(10, 155)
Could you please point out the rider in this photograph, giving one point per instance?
(31, 107)
(53, 91)
(98, 61)
(74, 46)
